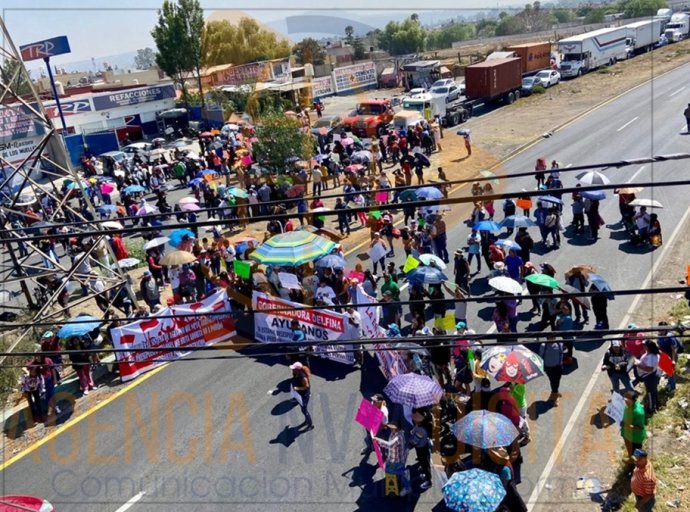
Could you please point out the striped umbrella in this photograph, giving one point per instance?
(293, 248)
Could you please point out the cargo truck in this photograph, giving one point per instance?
(678, 28)
(588, 51)
(432, 105)
(533, 56)
(643, 35)
(493, 81)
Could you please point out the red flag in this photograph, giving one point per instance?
(666, 363)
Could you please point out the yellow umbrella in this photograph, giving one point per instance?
(177, 258)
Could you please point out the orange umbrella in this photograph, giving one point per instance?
(208, 177)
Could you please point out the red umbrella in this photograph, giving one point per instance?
(24, 503)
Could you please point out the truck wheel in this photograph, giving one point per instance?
(579, 73)
(517, 95)
(380, 130)
(510, 98)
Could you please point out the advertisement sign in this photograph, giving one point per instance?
(354, 77)
(45, 49)
(16, 122)
(16, 151)
(134, 97)
(193, 330)
(246, 74)
(69, 108)
(319, 325)
(322, 86)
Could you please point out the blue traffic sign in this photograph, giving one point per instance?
(45, 49)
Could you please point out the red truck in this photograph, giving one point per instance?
(494, 80)
(370, 118)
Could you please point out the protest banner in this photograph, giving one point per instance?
(369, 416)
(190, 329)
(289, 281)
(242, 269)
(319, 325)
(615, 407)
(410, 264)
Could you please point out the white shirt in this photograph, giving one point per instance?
(316, 175)
(651, 360)
(642, 220)
(354, 331)
(325, 293)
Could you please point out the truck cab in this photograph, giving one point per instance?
(370, 118)
(678, 28)
(575, 64)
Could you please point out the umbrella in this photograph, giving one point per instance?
(432, 261)
(177, 236)
(474, 490)
(331, 261)
(156, 242)
(506, 285)
(594, 195)
(580, 269)
(517, 221)
(489, 174)
(354, 168)
(134, 189)
(190, 207)
(238, 192)
(195, 182)
(292, 248)
(107, 208)
(649, 203)
(592, 178)
(177, 258)
(520, 366)
(295, 191)
(205, 134)
(362, 156)
(426, 275)
(347, 141)
(423, 159)
(232, 127)
(111, 224)
(598, 281)
(188, 200)
(106, 188)
(79, 326)
(485, 429)
(205, 172)
(583, 301)
(486, 225)
(147, 209)
(628, 190)
(25, 504)
(413, 390)
(429, 193)
(408, 195)
(543, 280)
(509, 245)
(412, 347)
(126, 263)
(494, 357)
(549, 199)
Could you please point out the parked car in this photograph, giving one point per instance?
(138, 148)
(528, 84)
(443, 82)
(329, 124)
(450, 91)
(417, 90)
(111, 162)
(548, 77)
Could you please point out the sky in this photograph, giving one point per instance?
(97, 28)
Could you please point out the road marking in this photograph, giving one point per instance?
(584, 398)
(131, 502)
(628, 123)
(676, 92)
(85, 414)
(635, 175)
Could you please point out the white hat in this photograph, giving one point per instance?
(296, 366)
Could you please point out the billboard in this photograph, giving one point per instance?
(353, 77)
(69, 108)
(134, 97)
(45, 49)
(322, 86)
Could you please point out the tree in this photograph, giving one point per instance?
(359, 48)
(640, 8)
(225, 43)
(445, 37)
(595, 15)
(178, 39)
(349, 32)
(145, 58)
(309, 51)
(13, 76)
(486, 28)
(562, 15)
(535, 18)
(510, 25)
(401, 38)
(279, 138)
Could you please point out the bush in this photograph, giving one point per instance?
(11, 371)
(538, 89)
(603, 70)
(135, 248)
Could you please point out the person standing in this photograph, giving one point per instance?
(643, 482)
(599, 308)
(375, 242)
(343, 224)
(616, 361)
(462, 271)
(438, 232)
(468, 141)
(473, 249)
(421, 442)
(316, 178)
(669, 345)
(579, 281)
(540, 214)
(686, 113)
(551, 353)
(634, 428)
(301, 384)
(397, 455)
(647, 372)
(33, 388)
(149, 290)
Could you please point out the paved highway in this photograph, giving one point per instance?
(220, 435)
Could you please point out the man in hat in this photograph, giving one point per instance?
(301, 384)
(149, 290)
(643, 482)
(397, 455)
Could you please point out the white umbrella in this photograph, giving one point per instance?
(649, 203)
(157, 152)
(432, 260)
(506, 285)
(593, 178)
(127, 263)
(147, 209)
(112, 224)
(156, 242)
(188, 200)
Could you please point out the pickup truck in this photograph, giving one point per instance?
(370, 119)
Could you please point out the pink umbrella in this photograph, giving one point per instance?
(188, 200)
(354, 168)
(347, 141)
(106, 188)
(190, 207)
(353, 274)
(147, 209)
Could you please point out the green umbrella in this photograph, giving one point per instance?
(376, 214)
(238, 192)
(543, 280)
(408, 195)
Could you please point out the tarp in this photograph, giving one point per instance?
(183, 332)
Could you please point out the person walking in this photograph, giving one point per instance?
(466, 135)
(647, 371)
(301, 384)
(461, 269)
(686, 113)
(551, 353)
(616, 364)
(473, 249)
(599, 308)
(643, 482)
(634, 427)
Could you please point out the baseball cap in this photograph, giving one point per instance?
(460, 325)
(639, 453)
(147, 273)
(616, 343)
(296, 366)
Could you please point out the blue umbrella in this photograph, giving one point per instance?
(549, 199)
(601, 284)
(509, 245)
(517, 221)
(134, 189)
(177, 236)
(429, 193)
(195, 181)
(474, 490)
(331, 261)
(426, 275)
(594, 195)
(486, 225)
(484, 429)
(206, 172)
(79, 326)
(107, 208)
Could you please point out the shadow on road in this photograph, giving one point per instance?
(283, 407)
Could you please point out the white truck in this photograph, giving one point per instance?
(678, 28)
(588, 51)
(432, 105)
(643, 35)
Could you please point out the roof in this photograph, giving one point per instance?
(375, 101)
(588, 35)
(214, 69)
(421, 64)
(528, 45)
(388, 71)
(491, 63)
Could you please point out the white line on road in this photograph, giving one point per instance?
(132, 501)
(676, 92)
(635, 175)
(584, 398)
(628, 123)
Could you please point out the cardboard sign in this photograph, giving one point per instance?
(381, 197)
(289, 281)
(379, 455)
(377, 252)
(410, 264)
(615, 407)
(242, 269)
(369, 416)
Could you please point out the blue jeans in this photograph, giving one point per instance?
(651, 384)
(620, 378)
(398, 468)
